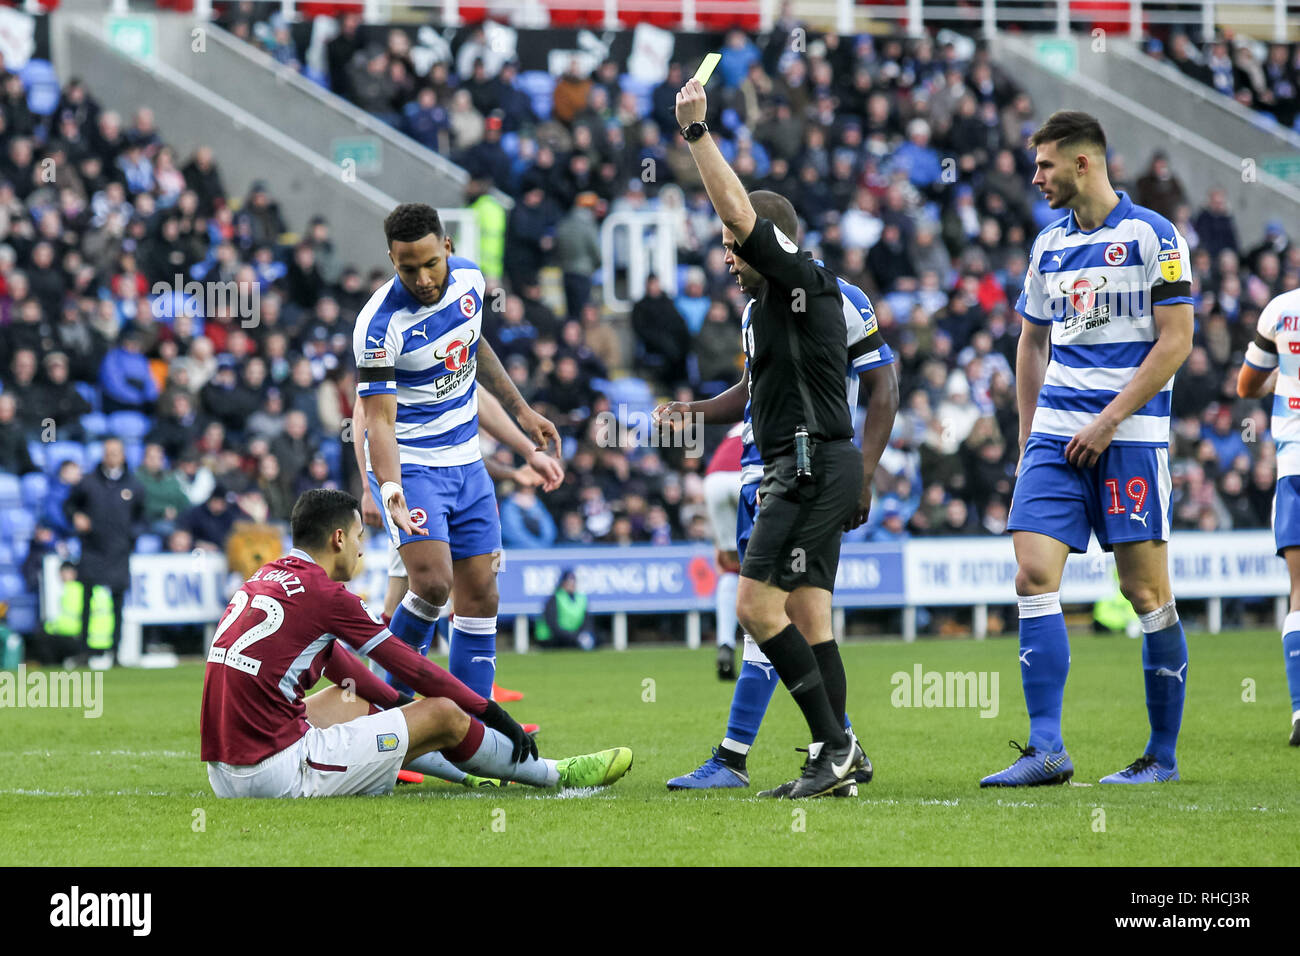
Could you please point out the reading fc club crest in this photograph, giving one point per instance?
(1082, 293)
(1116, 253)
(467, 305)
(418, 517)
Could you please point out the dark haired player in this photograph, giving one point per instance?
(282, 631)
(420, 357)
(1108, 321)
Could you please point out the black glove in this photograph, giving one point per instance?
(496, 718)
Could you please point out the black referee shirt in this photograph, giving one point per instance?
(796, 328)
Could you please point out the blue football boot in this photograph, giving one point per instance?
(1143, 770)
(713, 774)
(1032, 769)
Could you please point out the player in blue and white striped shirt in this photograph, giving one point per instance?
(869, 361)
(1273, 365)
(420, 357)
(1108, 321)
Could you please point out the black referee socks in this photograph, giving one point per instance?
(798, 669)
(831, 665)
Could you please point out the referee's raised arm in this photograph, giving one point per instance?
(771, 253)
(724, 187)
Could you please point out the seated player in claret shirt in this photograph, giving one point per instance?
(294, 621)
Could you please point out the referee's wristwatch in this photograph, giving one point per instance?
(694, 131)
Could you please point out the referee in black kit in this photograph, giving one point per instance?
(804, 431)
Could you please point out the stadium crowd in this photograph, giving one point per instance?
(905, 158)
(1260, 76)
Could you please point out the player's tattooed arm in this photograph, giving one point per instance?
(492, 375)
(541, 468)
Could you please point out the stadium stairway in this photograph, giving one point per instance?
(1144, 107)
(323, 123)
(1194, 106)
(247, 146)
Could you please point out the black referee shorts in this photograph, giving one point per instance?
(796, 538)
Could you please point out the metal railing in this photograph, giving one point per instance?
(651, 248)
(1271, 16)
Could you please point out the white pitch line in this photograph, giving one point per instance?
(170, 754)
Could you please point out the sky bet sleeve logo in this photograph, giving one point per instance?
(1171, 266)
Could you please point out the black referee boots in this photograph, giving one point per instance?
(827, 770)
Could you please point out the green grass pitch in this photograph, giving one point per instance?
(127, 788)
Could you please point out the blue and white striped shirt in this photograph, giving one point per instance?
(1279, 333)
(433, 350)
(1097, 290)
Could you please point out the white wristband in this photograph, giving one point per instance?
(387, 490)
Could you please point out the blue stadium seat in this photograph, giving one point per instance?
(35, 487)
(134, 449)
(95, 424)
(631, 391)
(332, 449)
(128, 425)
(42, 85)
(19, 548)
(90, 394)
(642, 89)
(91, 454)
(17, 524)
(23, 616)
(682, 270)
(540, 87)
(148, 544)
(57, 452)
(510, 143)
(11, 585)
(36, 451)
(10, 491)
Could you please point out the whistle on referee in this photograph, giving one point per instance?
(802, 456)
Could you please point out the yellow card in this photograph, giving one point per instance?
(706, 68)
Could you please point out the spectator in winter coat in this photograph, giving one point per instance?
(577, 247)
(14, 457)
(126, 379)
(107, 511)
(525, 522)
